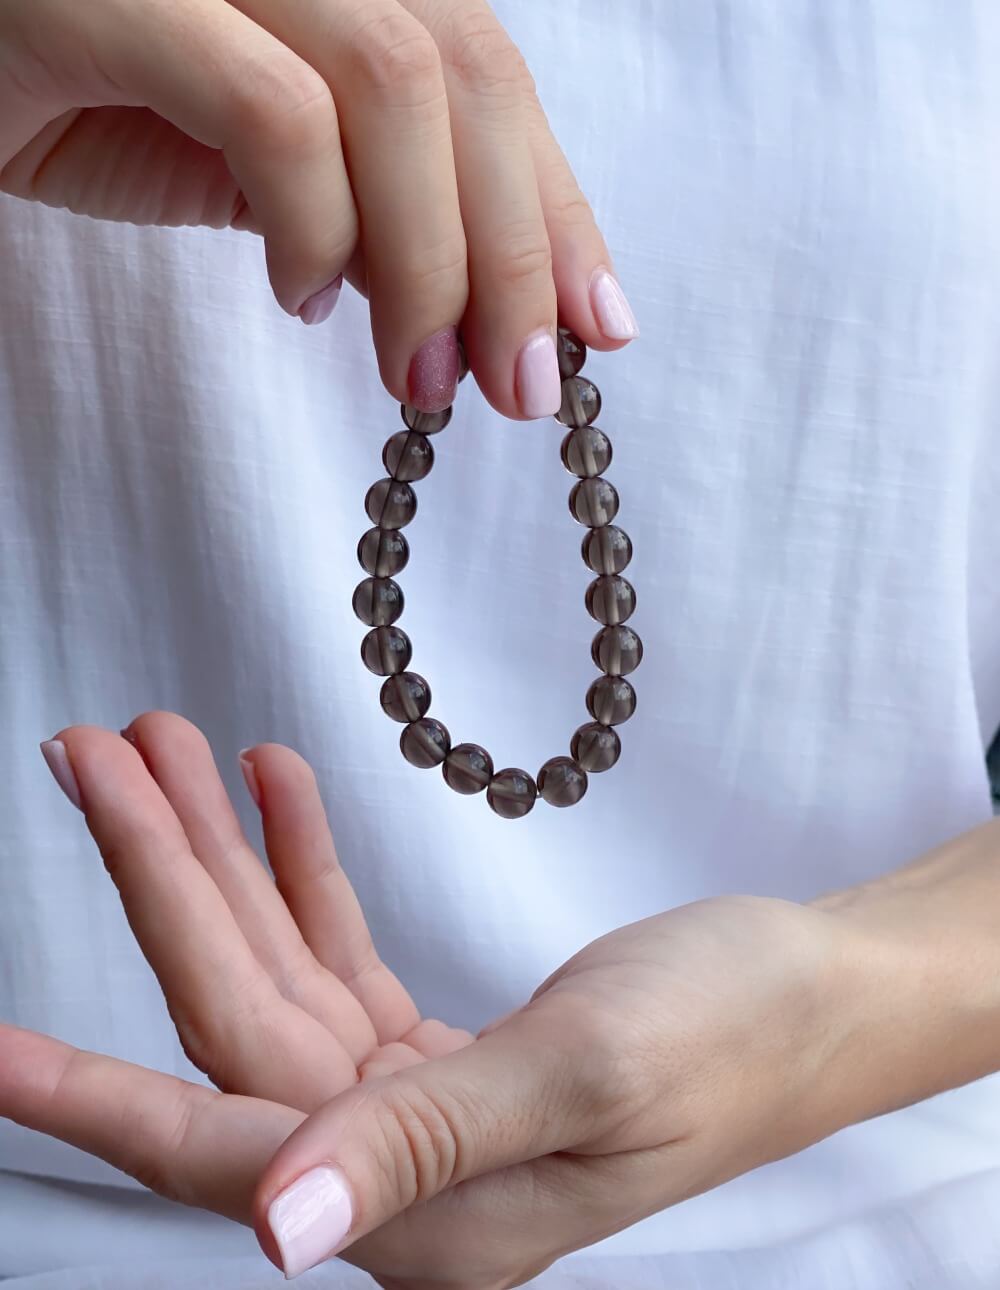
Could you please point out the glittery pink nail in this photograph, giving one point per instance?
(434, 372)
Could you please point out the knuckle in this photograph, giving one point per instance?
(442, 274)
(282, 104)
(568, 207)
(421, 1152)
(162, 1166)
(523, 257)
(484, 58)
(394, 55)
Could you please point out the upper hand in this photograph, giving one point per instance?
(399, 142)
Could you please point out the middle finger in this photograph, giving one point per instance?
(385, 73)
(180, 760)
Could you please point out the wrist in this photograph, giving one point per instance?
(918, 973)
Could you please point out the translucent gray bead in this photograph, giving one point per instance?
(610, 599)
(425, 422)
(562, 781)
(572, 353)
(405, 697)
(581, 402)
(425, 743)
(594, 502)
(383, 552)
(586, 452)
(617, 651)
(512, 793)
(596, 747)
(386, 651)
(611, 700)
(408, 456)
(468, 769)
(607, 549)
(378, 602)
(463, 362)
(391, 504)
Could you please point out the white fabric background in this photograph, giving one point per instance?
(802, 198)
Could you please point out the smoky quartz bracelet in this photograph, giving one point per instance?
(383, 552)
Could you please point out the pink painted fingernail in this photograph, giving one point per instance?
(434, 372)
(319, 307)
(310, 1219)
(539, 386)
(611, 308)
(250, 775)
(57, 760)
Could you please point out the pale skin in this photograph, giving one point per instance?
(662, 1060)
(398, 142)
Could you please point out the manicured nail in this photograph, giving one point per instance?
(250, 775)
(319, 307)
(310, 1219)
(57, 760)
(435, 372)
(539, 386)
(611, 308)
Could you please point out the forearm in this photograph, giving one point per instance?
(921, 971)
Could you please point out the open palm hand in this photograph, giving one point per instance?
(275, 987)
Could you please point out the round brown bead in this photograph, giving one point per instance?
(596, 747)
(593, 502)
(425, 422)
(383, 552)
(607, 549)
(610, 599)
(425, 743)
(391, 504)
(468, 769)
(586, 452)
(512, 793)
(378, 602)
(408, 456)
(386, 651)
(572, 353)
(617, 651)
(463, 362)
(405, 697)
(611, 700)
(562, 781)
(581, 402)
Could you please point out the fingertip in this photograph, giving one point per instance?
(250, 776)
(613, 314)
(538, 382)
(57, 760)
(435, 371)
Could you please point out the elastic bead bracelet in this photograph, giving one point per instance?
(383, 552)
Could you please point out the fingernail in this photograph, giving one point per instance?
(611, 308)
(435, 372)
(310, 1219)
(539, 387)
(250, 775)
(319, 307)
(57, 760)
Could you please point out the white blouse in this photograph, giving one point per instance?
(802, 198)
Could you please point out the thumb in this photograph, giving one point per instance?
(374, 1151)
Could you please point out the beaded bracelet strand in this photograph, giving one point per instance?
(383, 552)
